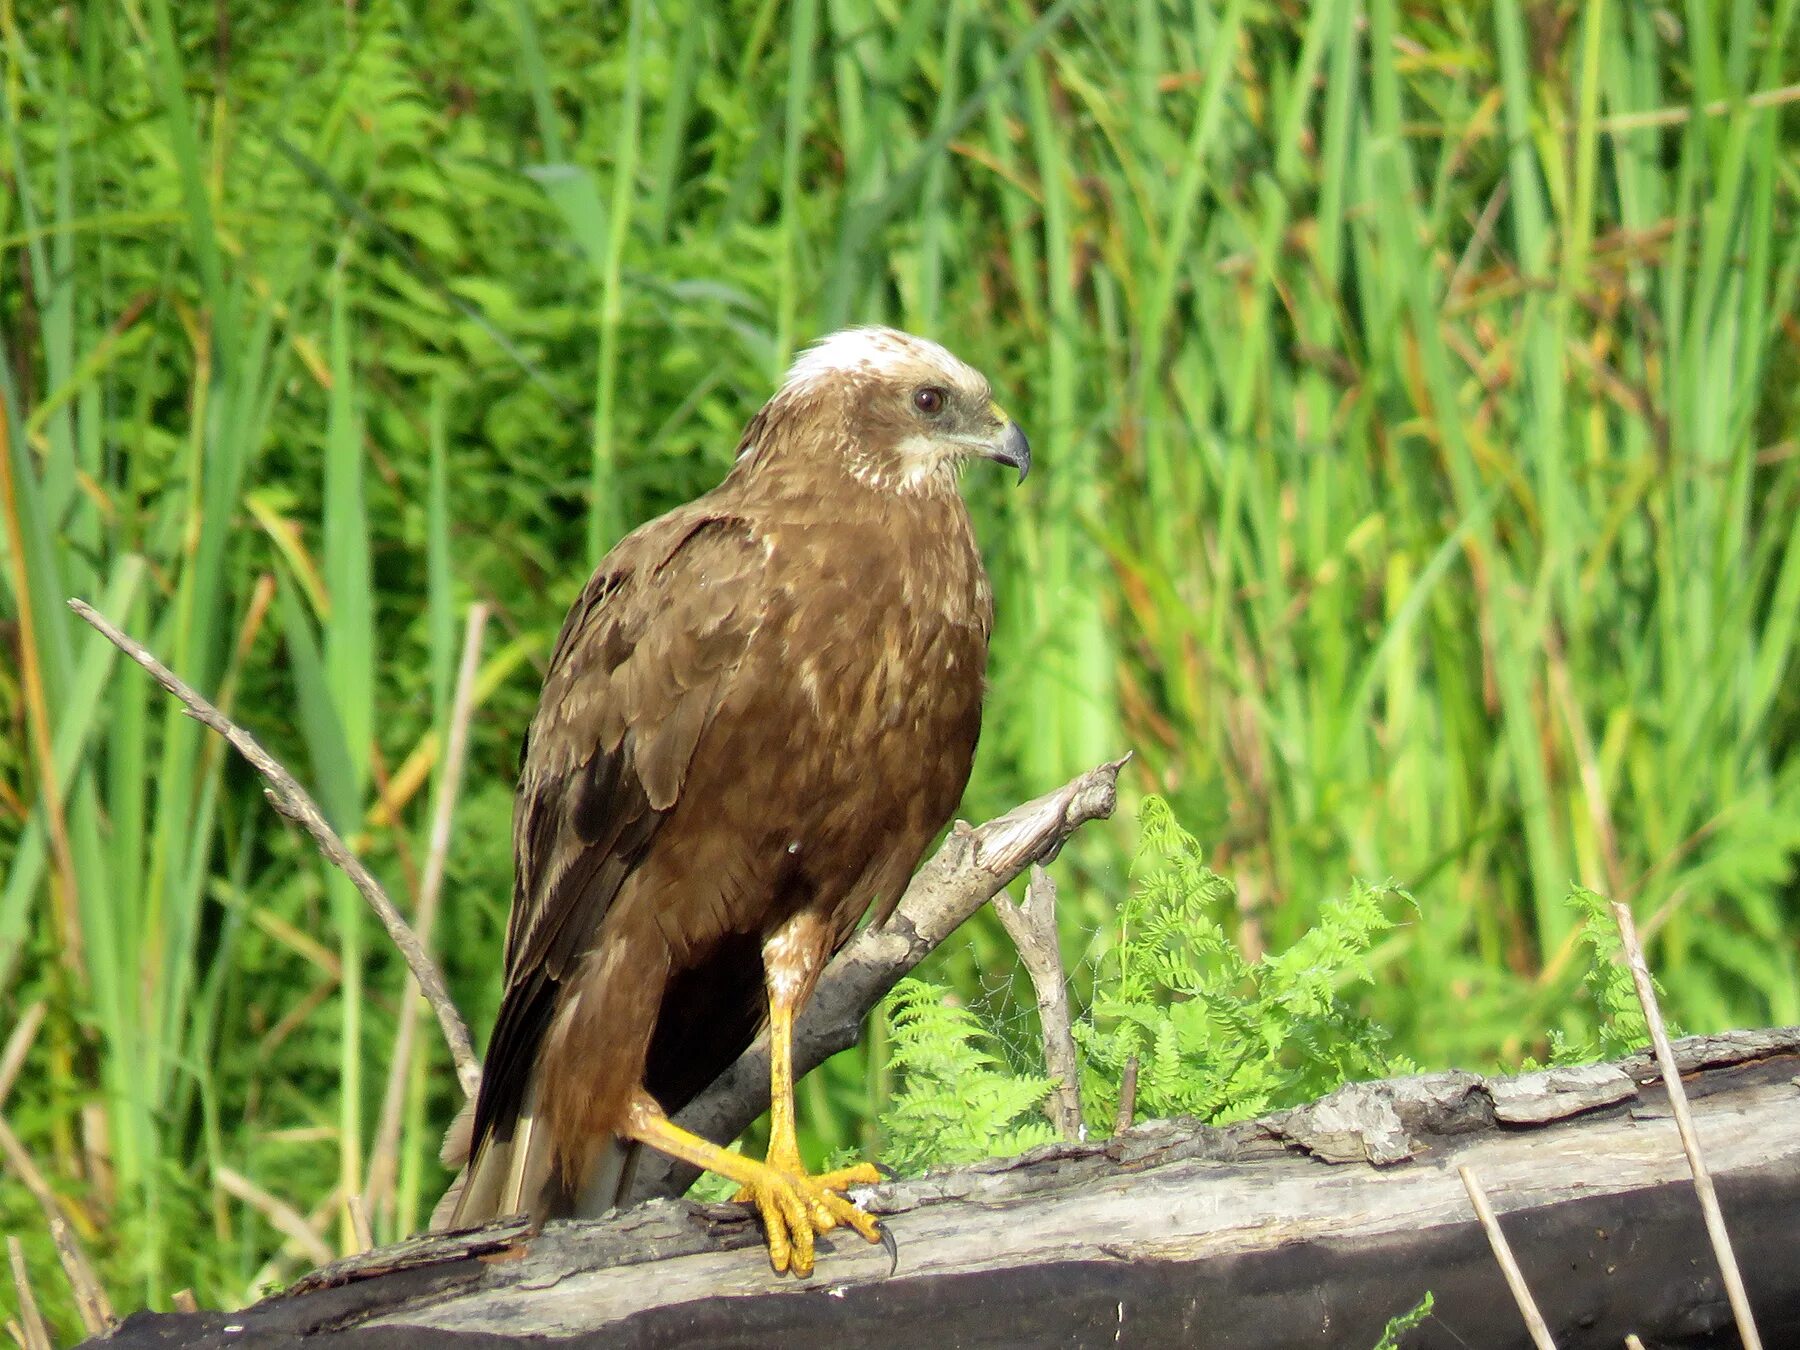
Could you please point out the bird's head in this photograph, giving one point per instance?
(898, 412)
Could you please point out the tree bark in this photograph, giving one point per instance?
(1309, 1227)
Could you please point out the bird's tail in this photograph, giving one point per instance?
(507, 1175)
(609, 1180)
(515, 1176)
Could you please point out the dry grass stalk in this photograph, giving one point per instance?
(20, 1161)
(91, 1302)
(90, 1298)
(287, 796)
(1032, 928)
(384, 1159)
(1684, 1124)
(288, 1260)
(18, 1045)
(1515, 1278)
(33, 1334)
(282, 1216)
(359, 1224)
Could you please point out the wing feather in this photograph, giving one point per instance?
(638, 670)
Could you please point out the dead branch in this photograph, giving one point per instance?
(1241, 1237)
(287, 796)
(1032, 928)
(1125, 1115)
(971, 867)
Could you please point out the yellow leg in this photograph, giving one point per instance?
(786, 1217)
(793, 1206)
(784, 1145)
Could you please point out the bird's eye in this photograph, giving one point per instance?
(929, 400)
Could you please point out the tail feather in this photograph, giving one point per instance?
(504, 1176)
(515, 1176)
(526, 1168)
(609, 1180)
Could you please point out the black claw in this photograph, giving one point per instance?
(891, 1247)
(887, 1173)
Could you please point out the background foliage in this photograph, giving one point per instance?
(1414, 390)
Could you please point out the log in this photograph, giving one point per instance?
(1308, 1227)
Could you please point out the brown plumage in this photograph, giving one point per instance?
(758, 713)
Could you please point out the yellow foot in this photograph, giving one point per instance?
(796, 1206)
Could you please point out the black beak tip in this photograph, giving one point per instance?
(1016, 450)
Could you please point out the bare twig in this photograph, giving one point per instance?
(1684, 1124)
(971, 867)
(282, 1216)
(90, 1295)
(1127, 1110)
(18, 1045)
(287, 796)
(1032, 928)
(33, 1332)
(384, 1160)
(1515, 1278)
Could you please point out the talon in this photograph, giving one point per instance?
(891, 1247)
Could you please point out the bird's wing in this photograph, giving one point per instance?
(637, 672)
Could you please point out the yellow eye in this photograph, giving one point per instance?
(929, 400)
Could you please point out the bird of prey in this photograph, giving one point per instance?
(760, 711)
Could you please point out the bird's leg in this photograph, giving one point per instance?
(793, 956)
(825, 1206)
(784, 1143)
(785, 1215)
(789, 1205)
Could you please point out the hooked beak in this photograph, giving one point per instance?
(1011, 447)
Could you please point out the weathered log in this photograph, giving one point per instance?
(1309, 1227)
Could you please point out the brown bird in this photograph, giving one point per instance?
(760, 711)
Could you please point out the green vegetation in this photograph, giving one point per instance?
(1215, 1036)
(1400, 1324)
(1414, 389)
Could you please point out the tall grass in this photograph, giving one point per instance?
(1414, 390)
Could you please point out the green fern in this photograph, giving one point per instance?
(1399, 1325)
(1622, 1028)
(1216, 1036)
(958, 1099)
